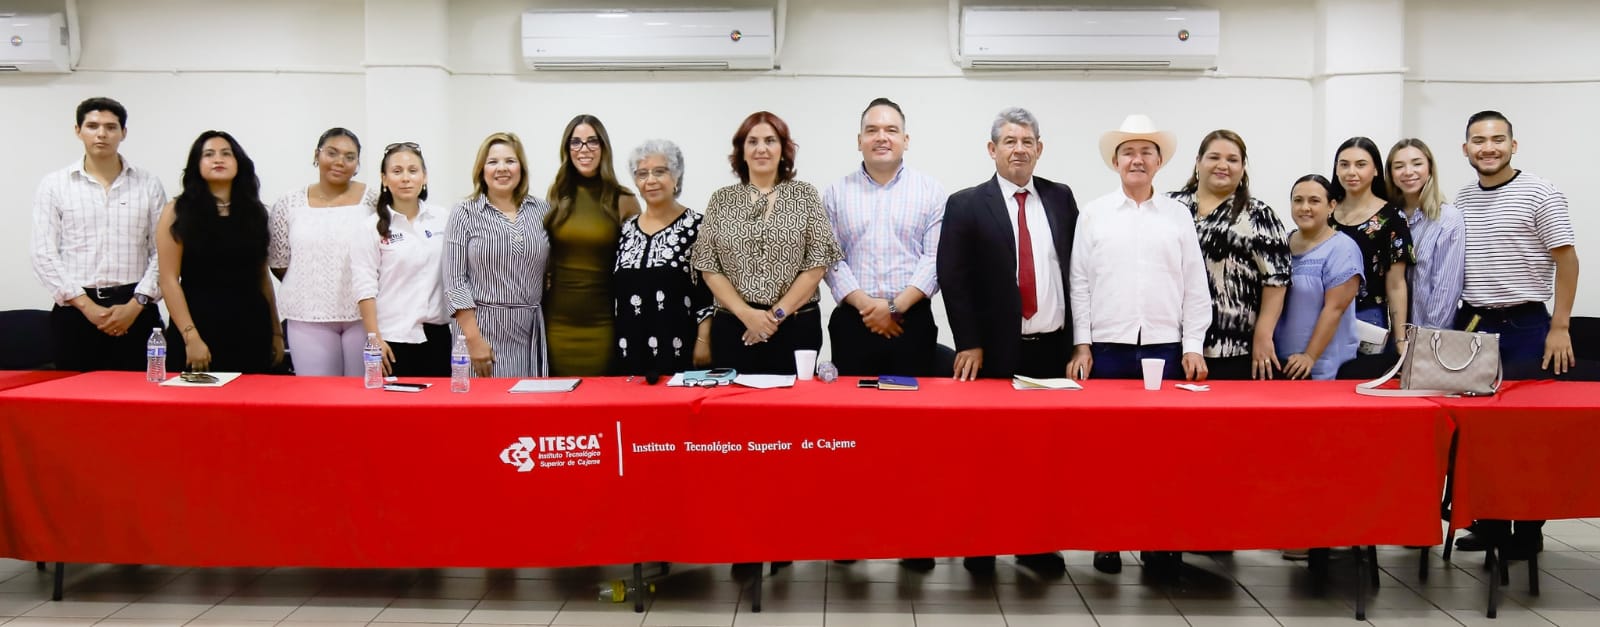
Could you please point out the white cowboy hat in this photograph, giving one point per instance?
(1138, 126)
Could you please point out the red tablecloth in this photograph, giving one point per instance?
(319, 472)
(1528, 452)
(18, 378)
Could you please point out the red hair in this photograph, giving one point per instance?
(785, 158)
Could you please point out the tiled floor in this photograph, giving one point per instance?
(1246, 589)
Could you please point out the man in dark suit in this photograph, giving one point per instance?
(1004, 252)
(1009, 318)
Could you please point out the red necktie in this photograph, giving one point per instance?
(1030, 296)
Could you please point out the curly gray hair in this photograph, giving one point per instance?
(668, 151)
(1014, 115)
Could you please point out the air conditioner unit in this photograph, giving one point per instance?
(1051, 38)
(34, 43)
(648, 40)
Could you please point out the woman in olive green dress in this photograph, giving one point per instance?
(587, 209)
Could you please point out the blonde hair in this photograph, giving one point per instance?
(479, 187)
(1430, 197)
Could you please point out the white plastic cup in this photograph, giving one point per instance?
(805, 364)
(1152, 372)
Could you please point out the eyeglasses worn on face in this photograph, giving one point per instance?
(593, 143)
(660, 173)
(334, 154)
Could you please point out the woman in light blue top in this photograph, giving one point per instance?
(1438, 231)
(1317, 332)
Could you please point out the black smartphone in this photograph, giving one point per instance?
(867, 383)
(396, 386)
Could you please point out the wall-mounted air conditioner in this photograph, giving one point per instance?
(1067, 38)
(34, 43)
(648, 40)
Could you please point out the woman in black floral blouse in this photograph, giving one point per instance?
(1247, 259)
(662, 308)
(764, 247)
(1378, 226)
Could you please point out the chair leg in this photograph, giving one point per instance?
(1372, 558)
(638, 588)
(1494, 582)
(1449, 543)
(1317, 563)
(40, 566)
(61, 581)
(1533, 574)
(1422, 565)
(1505, 570)
(1361, 586)
(755, 594)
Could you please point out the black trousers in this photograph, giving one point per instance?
(79, 345)
(802, 330)
(1044, 355)
(428, 359)
(1229, 368)
(858, 352)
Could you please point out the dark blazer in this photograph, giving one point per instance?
(978, 269)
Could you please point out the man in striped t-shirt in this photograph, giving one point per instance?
(94, 247)
(1519, 254)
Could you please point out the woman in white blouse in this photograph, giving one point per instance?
(397, 270)
(310, 252)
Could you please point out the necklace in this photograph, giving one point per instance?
(763, 199)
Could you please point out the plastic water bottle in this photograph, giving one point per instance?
(827, 372)
(619, 590)
(460, 366)
(155, 357)
(372, 360)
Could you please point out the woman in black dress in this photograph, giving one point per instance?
(663, 311)
(212, 247)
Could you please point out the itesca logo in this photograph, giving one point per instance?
(553, 451)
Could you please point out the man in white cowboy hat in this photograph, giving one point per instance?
(1137, 280)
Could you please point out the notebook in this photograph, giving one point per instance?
(896, 382)
(1029, 383)
(540, 386)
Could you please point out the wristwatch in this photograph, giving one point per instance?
(141, 299)
(894, 312)
(779, 313)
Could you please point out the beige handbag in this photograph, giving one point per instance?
(1441, 362)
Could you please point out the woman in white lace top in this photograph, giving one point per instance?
(311, 229)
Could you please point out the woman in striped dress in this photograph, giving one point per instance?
(495, 251)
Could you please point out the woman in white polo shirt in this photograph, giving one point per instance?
(310, 252)
(397, 270)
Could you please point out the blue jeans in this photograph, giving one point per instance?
(1121, 361)
(1522, 330)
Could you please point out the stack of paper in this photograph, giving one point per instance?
(1029, 383)
(765, 381)
(537, 386)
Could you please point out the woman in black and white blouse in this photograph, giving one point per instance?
(663, 309)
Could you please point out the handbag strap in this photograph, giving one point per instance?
(1374, 387)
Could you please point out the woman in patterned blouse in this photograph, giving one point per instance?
(1375, 222)
(663, 311)
(1247, 259)
(762, 250)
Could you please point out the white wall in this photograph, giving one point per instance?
(277, 74)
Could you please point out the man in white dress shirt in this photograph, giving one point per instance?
(94, 247)
(1138, 281)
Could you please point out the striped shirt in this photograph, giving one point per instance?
(491, 260)
(1510, 230)
(87, 236)
(1436, 276)
(889, 233)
